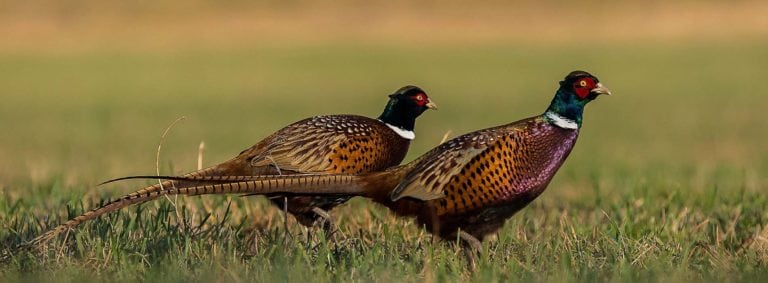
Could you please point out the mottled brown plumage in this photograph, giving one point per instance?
(331, 144)
(473, 182)
(323, 144)
(478, 180)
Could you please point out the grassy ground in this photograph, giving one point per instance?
(667, 181)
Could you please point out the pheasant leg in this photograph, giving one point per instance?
(472, 248)
(327, 223)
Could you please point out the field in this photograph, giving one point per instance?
(668, 180)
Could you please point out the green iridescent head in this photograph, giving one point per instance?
(576, 90)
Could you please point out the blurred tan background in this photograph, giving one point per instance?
(80, 25)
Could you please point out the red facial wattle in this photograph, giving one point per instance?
(420, 99)
(583, 86)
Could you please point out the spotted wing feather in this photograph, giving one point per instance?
(435, 169)
(312, 145)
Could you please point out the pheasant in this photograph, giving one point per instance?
(348, 144)
(466, 187)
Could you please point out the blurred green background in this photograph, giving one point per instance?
(669, 173)
(89, 86)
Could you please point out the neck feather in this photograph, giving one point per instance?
(560, 121)
(397, 115)
(403, 133)
(566, 110)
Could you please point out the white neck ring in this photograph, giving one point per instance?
(561, 121)
(406, 134)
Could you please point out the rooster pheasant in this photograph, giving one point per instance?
(348, 144)
(466, 187)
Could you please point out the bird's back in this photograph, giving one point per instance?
(328, 144)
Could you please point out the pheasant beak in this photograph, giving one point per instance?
(600, 89)
(431, 105)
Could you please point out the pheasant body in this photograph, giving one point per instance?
(495, 173)
(354, 145)
(475, 182)
(329, 144)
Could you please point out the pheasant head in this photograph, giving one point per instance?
(404, 106)
(576, 90)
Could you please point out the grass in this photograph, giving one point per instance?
(667, 181)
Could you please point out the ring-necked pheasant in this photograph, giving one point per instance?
(466, 187)
(348, 144)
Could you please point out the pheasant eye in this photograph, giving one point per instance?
(420, 99)
(583, 86)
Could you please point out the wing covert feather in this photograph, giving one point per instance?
(310, 144)
(436, 168)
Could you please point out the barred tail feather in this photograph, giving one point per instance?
(307, 184)
(188, 178)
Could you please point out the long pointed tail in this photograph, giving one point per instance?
(307, 184)
(193, 179)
